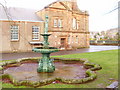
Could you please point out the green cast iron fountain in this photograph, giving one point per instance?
(45, 63)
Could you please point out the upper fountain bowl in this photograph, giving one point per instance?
(43, 50)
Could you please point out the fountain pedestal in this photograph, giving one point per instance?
(46, 64)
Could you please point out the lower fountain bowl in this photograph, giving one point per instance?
(43, 50)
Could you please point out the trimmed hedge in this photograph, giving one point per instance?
(91, 75)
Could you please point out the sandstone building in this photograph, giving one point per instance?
(18, 27)
(67, 24)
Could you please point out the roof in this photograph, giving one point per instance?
(60, 1)
(74, 7)
(18, 14)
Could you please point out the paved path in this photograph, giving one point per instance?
(10, 56)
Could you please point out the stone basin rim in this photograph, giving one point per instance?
(45, 34)
(90, 72)
(44, 50)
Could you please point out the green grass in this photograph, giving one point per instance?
(109, 62)
(8, 85)
(109, 72)
(7, 60)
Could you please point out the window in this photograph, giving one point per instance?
(74, 23)
(35, 32)
(14, 32)
(58, 23)
(77, 39)
(68, 39)
(55, 22)
(77, 25)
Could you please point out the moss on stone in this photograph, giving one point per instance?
(91, 75)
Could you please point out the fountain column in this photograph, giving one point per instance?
(45, 35)
(45, 63)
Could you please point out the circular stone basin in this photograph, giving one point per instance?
(28, 71)
(68, 70)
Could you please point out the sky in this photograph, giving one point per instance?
(100, 19)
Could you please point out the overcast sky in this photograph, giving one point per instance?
(100, 19)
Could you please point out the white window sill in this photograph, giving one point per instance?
(36, 43)
(14, 40)
(35, 39)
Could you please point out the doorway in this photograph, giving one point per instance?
(63, 43)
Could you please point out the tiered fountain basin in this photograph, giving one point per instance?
(68, 70)
(46, 64)
(43, 50)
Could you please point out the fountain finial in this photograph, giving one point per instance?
(46, 24)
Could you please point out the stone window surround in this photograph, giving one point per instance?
(75, 23)
(77, 39)
(69, 39)
(55, 22)
(58, 22)
(14, 32)
(35, 32)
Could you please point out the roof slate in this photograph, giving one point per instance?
(19, 14)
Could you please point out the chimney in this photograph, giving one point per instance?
(71, 4)
(74, 5)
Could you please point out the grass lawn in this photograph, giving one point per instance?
(6, 60)
(109, 72)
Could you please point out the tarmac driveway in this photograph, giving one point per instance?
(10, 56)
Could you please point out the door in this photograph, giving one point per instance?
(63, 42)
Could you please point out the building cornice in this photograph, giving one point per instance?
(70, 31)
(55, 8)
(73, 12)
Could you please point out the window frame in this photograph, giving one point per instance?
(55, 21)
(60, 23)
(77, 39)
(14, 32)
(69, 39)
(77, 27)
(34, 33)
(74, 23)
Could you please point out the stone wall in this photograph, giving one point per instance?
(25, 36)
(59, 11)
(71, 38)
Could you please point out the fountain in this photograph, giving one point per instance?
(68, 70)
(45, 63)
